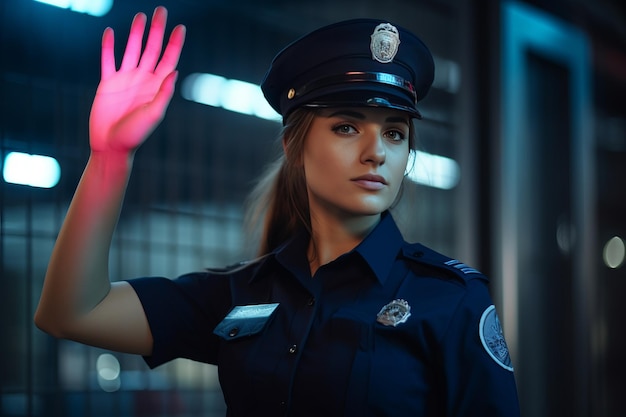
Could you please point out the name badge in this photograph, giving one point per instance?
(252, 311)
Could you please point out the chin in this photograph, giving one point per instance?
(358, 207)
(369, 209)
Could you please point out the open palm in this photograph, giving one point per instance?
(131, 102)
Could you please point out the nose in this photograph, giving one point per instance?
(374, 151)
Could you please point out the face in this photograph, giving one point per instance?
(354, 160)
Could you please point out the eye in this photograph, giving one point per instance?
(396, 135)
(344, 129)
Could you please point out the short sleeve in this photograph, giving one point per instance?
(478, 373)
(182, 314)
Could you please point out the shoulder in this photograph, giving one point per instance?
(423, 260)
(240, 268)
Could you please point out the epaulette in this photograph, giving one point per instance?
(424, 255)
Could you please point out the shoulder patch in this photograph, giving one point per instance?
(492, 338)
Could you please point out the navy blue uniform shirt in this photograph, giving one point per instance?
(388, 329)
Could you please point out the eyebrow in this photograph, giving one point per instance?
(361, 116)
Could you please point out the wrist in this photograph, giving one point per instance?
(112, 161)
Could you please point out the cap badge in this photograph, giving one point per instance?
(394, 313)
(384, 43)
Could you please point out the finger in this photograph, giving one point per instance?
(155, 39)
(135, 41)
(107, 62)
(169, 61)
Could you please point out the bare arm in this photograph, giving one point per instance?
(78, 301)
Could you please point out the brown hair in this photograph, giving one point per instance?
(278, 206)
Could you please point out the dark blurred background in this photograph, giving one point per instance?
(523, 176)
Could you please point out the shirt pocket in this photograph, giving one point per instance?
(242, 375)
(401, 379)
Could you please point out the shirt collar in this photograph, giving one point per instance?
(381, 247)
(379, 250)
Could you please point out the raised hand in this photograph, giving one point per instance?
(131, 102)
(78, 301)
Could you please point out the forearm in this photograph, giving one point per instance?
(77, 278)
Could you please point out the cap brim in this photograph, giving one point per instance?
(374, 103)
(359, 95)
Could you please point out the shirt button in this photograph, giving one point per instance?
(233, 332)
(311, 301)
(293, 349)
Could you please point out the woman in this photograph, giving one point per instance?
(339, 316)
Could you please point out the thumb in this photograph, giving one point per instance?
(163, 97)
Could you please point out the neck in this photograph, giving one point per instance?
(333, 236)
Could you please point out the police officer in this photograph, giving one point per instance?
(339, 316)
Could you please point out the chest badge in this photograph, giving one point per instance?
(394, 313)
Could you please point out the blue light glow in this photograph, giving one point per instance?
(234, 95)
(433, 170)
(91, 7)
(32, 170)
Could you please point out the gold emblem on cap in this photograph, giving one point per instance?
(291, 93)
(384, 43)
(394, 313)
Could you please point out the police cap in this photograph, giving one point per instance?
(354, 63)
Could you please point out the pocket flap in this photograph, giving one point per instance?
(245, 321)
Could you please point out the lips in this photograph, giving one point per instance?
(371, 181)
